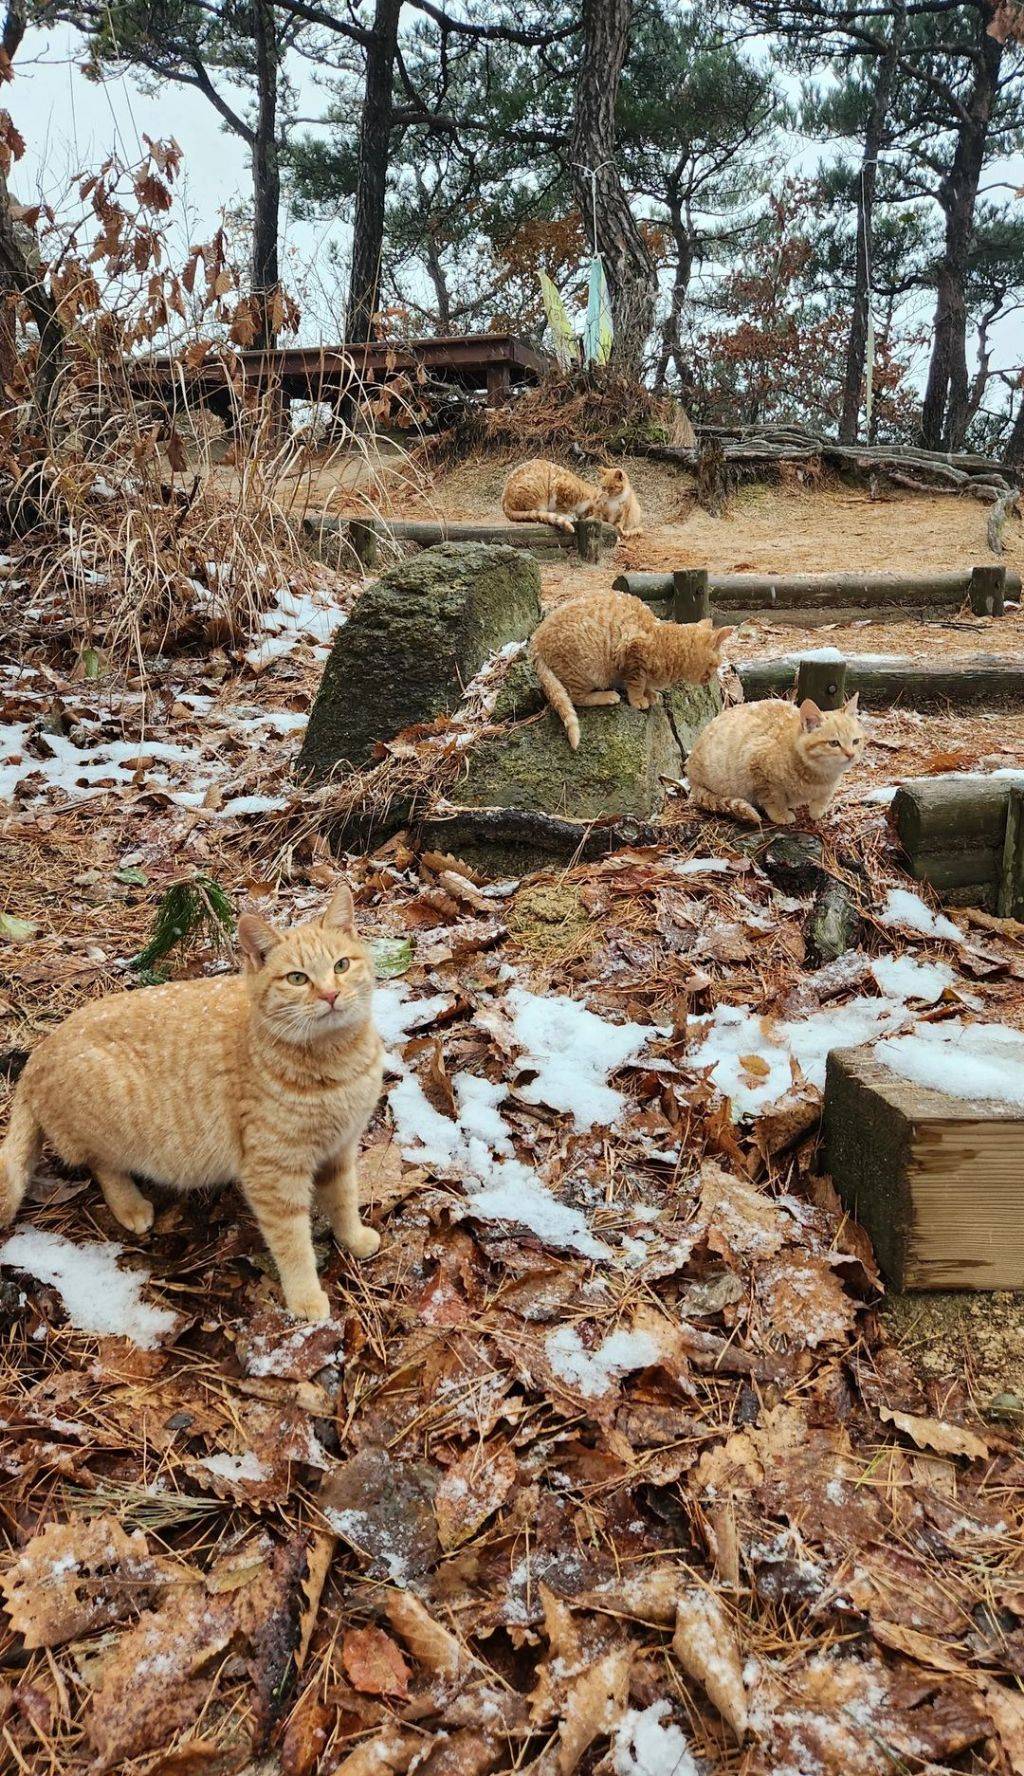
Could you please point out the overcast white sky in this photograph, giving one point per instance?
(71, 124)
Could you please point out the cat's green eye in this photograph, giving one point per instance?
(297, 978)
(342, 965)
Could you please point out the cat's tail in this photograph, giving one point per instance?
(560, 701)
(18, 1156)
(731, 805)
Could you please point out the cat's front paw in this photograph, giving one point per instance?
(363, 1243)
(309, 1304)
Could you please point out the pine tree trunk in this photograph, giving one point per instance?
(21, 271)
(266, 173)
(1013, 454)
(944, 415)
(629, 268)
(671, 332)
(371, 188)
(874, 137)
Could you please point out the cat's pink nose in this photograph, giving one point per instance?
(328, 993)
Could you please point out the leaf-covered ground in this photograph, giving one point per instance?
(606, 1462)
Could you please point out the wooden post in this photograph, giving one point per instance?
(364, 541)
(824, 681)
(588, 539)
(988, 590)
(499, 384)
(691, 599)
(1011, 875)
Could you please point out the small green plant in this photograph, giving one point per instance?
(190, 910)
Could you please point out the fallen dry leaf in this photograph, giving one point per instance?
(305, 1736)
(374, 1663)
(593, 1706)
(471, 1490)
(706, 1648)
(430, 1643)
(936, 1434)
(77, 1576)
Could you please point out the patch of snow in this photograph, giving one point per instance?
(294, 617)
(964, 1060)
(98, 1295)
(902, 978)
(573, 1051)
(593, 1372)
(823, 656)
(235, 1467)
(905, 909)
(733, 1032)
(699, 866)
(251, 804)
(645, 1745)
(396, 1012)
(884, 794)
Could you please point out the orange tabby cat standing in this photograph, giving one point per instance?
(268, 1078)
(589, 647)
(773, 756)
(539, 492)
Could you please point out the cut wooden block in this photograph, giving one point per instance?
(964, 836)
(937, 1181)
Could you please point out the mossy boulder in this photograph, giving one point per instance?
(549, 794)
(414, 640)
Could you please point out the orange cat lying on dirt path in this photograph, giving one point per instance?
(774, 756)
(539, 492)
(268, 1078)
(588, 647)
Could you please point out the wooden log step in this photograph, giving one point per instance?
(361, 538)
(983, 681)
(772, 592)
(937, 1181)
(960, 833)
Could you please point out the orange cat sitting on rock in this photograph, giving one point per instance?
(773, 756)
(539, 492)
(588, 648)
(267, 1078)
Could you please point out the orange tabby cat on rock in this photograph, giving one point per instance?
(539, 492)
(774, 756)
(588, 647)
(267, 1078)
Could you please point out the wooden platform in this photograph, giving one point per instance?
(977, 681)
(937, 1181)
(325, 373)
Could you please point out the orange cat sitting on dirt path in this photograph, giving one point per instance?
(268, 1078)
(539, 492)
(588, 648)
(774, 756)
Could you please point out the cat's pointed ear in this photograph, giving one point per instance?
(810, 714)
(850, 706)
(721, 636)
(341, 908)
(256, 938)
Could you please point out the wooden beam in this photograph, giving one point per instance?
(773, 592)
(982, 681)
